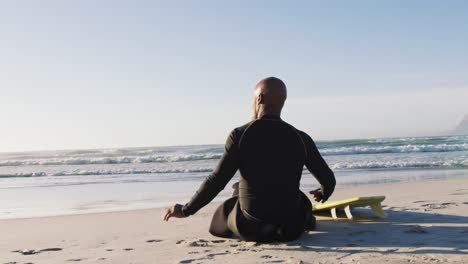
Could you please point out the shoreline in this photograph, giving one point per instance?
(427, 222)
(226, 194)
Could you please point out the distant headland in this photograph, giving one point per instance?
(462, 128)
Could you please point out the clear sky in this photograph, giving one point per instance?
(90, 74)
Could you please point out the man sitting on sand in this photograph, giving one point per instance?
(267, 204)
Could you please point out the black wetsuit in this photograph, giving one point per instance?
(268, 205)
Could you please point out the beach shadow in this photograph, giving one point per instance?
(402, 232)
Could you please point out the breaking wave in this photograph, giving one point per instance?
(402, 164)
(104, 172)
(355, 150)
(111, 160)
(336, 165)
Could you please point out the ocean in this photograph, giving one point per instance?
(44, 183)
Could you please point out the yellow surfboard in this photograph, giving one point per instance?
(373, 201)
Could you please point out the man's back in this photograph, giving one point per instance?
(272, 156)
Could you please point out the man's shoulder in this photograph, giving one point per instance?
(300, 132)
(304, 136)
(239, 131)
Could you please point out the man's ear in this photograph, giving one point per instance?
(260, 99)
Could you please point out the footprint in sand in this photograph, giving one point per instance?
(212, 255)
(26, 251)
(75, 260)
(410, 209)
(217, 241)
(153, 241)
(196, 260)
(187, 261)
(360, 232)
(438, 205)
(298, 262)
(200, 242)
(195, 243)
(416, 230)
(459, 193)
(34, 251)
(207, 257)
(249, 249)
(51, 249)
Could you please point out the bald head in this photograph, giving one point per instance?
(269, 97)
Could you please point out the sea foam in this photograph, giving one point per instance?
(110, 160)
(356, 150)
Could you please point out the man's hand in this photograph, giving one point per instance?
(318, 196)
(174, 211)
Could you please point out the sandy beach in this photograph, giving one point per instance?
(114, 111)
(427, 223)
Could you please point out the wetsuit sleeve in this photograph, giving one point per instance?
(318, 167)
(217, 180)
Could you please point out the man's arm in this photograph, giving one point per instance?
(217, 180)
(319, 168)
